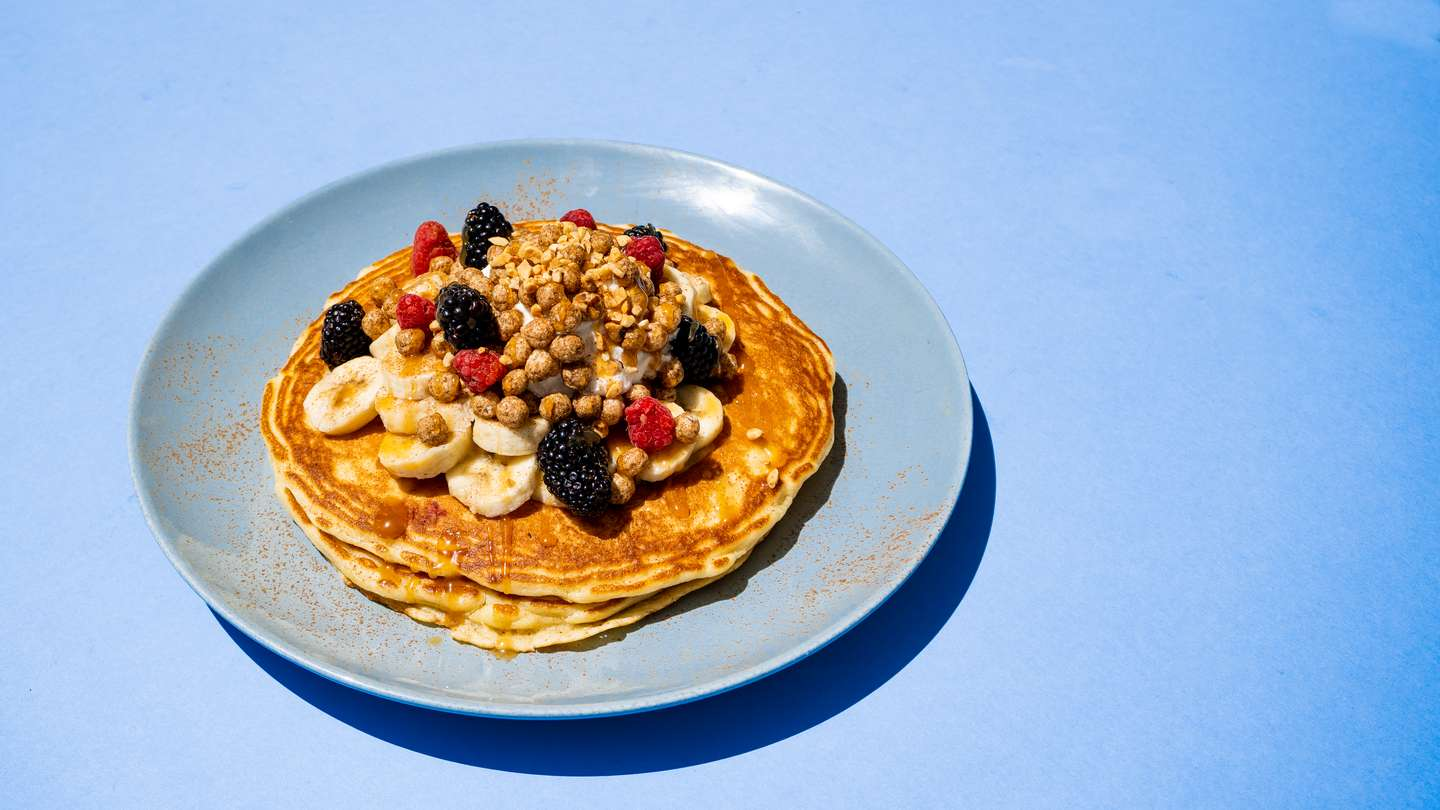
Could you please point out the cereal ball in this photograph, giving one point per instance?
(390, 303)
(577, 377)
(588, 406)
(514, 382)
(601, 242)
(669, 289)
(445, 386)
(570, 279)
(444, 265)
(440, 347)
(502, 297)
(517, 348)
(540, 365)
(549, 295)
(564, 317)
(567, 348)
(613, 389)
(612, 411)
(728, 368)
(483, 405)
(622, 489)
(554, 407)
(375, 323)
(495, 255)
(668, 316)
(572, 252)
(433, 430)
(411, 342)
(509, 322)
(538, 333)
(633, 339)
(550, 233)
(630, 462)
(672, 373)
(715, 327)
(655, 338)
(512, 412)
(665, 394)
(637, 391)
(687, 428)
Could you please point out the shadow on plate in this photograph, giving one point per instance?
(750, 717)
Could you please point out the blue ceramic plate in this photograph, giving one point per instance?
(857, 530)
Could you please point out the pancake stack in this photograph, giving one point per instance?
(540, 575)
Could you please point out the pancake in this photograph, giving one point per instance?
(680, 533)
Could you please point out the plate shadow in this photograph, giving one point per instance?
(744, 719)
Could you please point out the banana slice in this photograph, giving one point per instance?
(385, 344)
(702, 405)
(493, 437)
(702, 289)
(408, 457)
(492, 485)
(703, 314)
(408, 376)
(344, 399)
(400, 415)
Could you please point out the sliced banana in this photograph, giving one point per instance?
(344, 399)
(408, 376)
(400, 415)
(426, 285)
(408, 457)
(491, 436)
(705, 407)
(703, 314)
(492, 485)
(385, 344)
(702, 289)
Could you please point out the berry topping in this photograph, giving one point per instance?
(465, 316)
(695, 348)
(648, 230)
(580, 217)
(483, 222)
(431, 240)
(649, 424)
(414, 311)
(342, 338)
(648, 250)
(576, 466)
(478, 370)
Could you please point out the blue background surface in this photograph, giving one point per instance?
(1192, 257)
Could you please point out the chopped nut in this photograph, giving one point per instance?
(433, 430)
(588, 406)
(637, 391)
(555, 407)
(601, 429)
(375, 323)
(540, 365)
(630, 462)
(672, 373)
(443, 265)
(509, 322)
(754, 433)
(577, 377)
(515, 381)
(498, 240)
(567, 348)
(493, 255)
(622, 240)
(613, 389)
(518, 349)
(411, 342)
(512, 411)
(612, 411)
(483, 405)
(622, 489)
(687, 428)
(445, 386)
(538, 333)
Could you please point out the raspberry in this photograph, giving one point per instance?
(649, 424)
(580, 217)
(648, 250)
(414, 312)
(431, 240)
(478, 370)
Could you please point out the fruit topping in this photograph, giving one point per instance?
(695, 348)
(431, 241)
(343, 337)
(648, 250)
(648, 230)
(649, 424)
(414, 311)
(483, 222)
(576, 466)
(478, 370)
(465, 316)
(580, 217)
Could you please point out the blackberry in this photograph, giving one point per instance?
(483, 222)
(576, 466)
(695, 348)
(341, 338)
(465, 316)
(648, 230)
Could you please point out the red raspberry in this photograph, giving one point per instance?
(648, 250)
(478, 369)
(414, 312)
(431, 240)
(580, 217)
(649, 423)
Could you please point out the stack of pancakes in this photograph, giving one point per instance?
(540, 576)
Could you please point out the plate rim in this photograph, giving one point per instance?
(168, 541)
